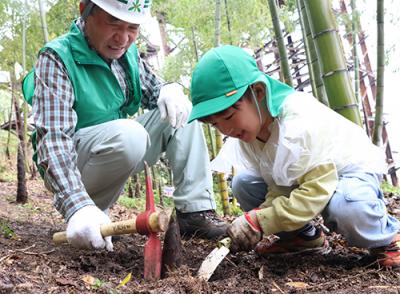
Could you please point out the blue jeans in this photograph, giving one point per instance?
(356, 210)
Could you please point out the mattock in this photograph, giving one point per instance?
(149, 223)
(152, 248)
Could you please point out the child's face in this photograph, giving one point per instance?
(239, 121)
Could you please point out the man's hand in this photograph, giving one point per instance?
(245, 232)
(174, 105)
(83, 230)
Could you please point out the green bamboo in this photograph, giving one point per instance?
(331, 58)
(208, 127)
(378, 124)
(285, 68)
(223, 186)
(354, 29)
(306, 49)
(317, 84)
(228, 22)
(217, 40)
(43, 21)
(211, 145)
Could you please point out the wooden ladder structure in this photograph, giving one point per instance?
(367, 79)
(301, 81)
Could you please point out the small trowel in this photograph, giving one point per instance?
(212, 260)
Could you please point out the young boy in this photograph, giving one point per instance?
(304, 158)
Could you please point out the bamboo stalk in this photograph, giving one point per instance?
(378, 125)
(331, 59)
(285, 68)
(317, 84)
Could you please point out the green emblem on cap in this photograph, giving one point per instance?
(135, 6)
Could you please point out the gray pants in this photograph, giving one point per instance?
(110, 152)
(356, 210)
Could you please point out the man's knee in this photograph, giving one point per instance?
(132, 141)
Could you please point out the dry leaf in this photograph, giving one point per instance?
(66, 282)
(299, 285)
(89, 280)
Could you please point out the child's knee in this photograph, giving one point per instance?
(249, 190)
(359, 221)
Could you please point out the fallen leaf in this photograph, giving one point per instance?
(89, 280)
(125, 280)
(66, 282)
(299, 285)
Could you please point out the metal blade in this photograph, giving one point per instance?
(211, 262)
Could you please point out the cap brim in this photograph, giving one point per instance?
(218, 104)
(215, 105)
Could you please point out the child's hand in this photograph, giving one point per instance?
(245, 232)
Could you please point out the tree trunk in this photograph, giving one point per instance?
(285, 67)
(331, 58)
(43, 21)
(196, 52)
(137, 185)
(163, 33)
(228, 21)
(22, 193)
(130, 189)
(25, 105)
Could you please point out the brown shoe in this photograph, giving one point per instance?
(299, 245)
(389, 256)
(202, 224)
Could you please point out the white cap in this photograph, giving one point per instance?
(132, 11)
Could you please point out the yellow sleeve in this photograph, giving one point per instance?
(282, 213)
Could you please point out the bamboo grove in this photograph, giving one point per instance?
(188, 28)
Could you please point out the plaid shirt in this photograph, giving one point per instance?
(55, 122)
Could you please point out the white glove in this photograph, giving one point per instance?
(83, 230)
(174, 105)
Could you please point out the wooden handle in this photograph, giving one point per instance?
(158, 222)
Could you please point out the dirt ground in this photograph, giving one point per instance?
(30, 263)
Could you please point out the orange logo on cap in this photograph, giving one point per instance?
(231, 93)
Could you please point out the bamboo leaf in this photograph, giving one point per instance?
(125, 280)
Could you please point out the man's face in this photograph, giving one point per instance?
(109, 36)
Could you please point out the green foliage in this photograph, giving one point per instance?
(388, 188)
(31, 207)
(60, 17)
(6, 231)
(6, 174)
(140, 203)
(5, 105)
(249, 20)
(98, 284)
(236, 210)
(12, 14)
(135, 203)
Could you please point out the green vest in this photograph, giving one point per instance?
(98, 95)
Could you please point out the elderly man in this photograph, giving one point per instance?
(87, 82)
